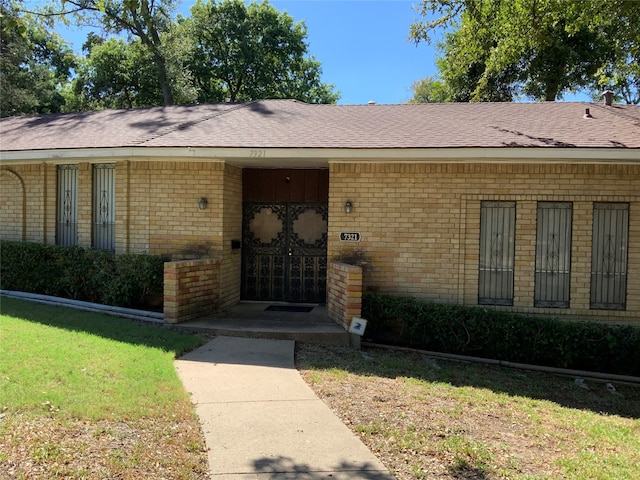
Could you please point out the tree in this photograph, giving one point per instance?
(146, 20)
(120, 74)
(621, 74)
(35, 64)
(429, 90)
(250, 52)
(537, 48)
(106, 78)
(463, 68)
(623, 78)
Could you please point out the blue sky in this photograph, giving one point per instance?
(363, 47)
(361, 44)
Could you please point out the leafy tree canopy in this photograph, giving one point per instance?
(121, 74)
(225, 50)
(35, 63)
(248, 52)
(145, 20)
(429, 90)
(542, 49)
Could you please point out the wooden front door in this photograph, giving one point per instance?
(284, 247)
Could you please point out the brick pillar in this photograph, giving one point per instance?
(191, 289)
(344, 292)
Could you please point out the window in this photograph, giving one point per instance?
(104, 210)
(67, 205)
(497, 251)
(609, 256)
(553, 255)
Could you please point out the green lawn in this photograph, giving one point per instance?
(108, 378)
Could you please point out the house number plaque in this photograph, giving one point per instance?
(349, 236)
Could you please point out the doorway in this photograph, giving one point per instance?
(284, 230)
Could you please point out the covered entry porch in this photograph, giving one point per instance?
(192, 298)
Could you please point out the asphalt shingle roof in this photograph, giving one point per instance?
(293, 124)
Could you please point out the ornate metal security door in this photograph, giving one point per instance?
(284, 252)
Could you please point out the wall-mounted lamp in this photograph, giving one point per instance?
(348, 207)
(202, 203)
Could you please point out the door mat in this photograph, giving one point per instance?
(288, 308)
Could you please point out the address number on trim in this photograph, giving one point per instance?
(349, 236)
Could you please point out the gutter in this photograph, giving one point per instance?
(521, 366)
(141, 315)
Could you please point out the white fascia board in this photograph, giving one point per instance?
(273, 157)
(497, 155)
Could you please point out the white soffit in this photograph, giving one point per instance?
(319, 157)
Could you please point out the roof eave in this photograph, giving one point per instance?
(260, 156)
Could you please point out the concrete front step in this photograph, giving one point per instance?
(253, 320)
(339, 338)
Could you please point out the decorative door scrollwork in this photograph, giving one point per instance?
(284, 252)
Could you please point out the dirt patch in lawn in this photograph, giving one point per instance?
(45, 447)
(427, 418)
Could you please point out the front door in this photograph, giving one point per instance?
(284, 252)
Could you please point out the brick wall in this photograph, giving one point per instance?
(156, 209)
(12, 206)
(420, 226)
(344, 292)
(231, 230)
(50, 180)
(191, 289)
(163, 216)
(419, 221)
(85, 204)
(23, 198)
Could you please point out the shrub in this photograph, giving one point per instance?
(487, 333)
(80, 273)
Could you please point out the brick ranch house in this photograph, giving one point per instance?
(528, 207)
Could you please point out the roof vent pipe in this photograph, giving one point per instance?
(608, 97)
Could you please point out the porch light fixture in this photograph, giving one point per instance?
(348, 207)
(202, 203)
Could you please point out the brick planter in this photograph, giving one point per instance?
(344, 292)
(191, 289)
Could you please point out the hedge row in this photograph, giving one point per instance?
(83, 274)
(487, 333)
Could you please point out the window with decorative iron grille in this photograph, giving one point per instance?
(553, 255)
(609, 256)
(67, 205)
(104, 210)
(497, 253)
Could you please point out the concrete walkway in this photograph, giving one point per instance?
(262, 421)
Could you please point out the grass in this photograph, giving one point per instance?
(427, 418)
(89, 396)
(86, 395)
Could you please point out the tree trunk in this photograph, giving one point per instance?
(163, 78)
(149, 35)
